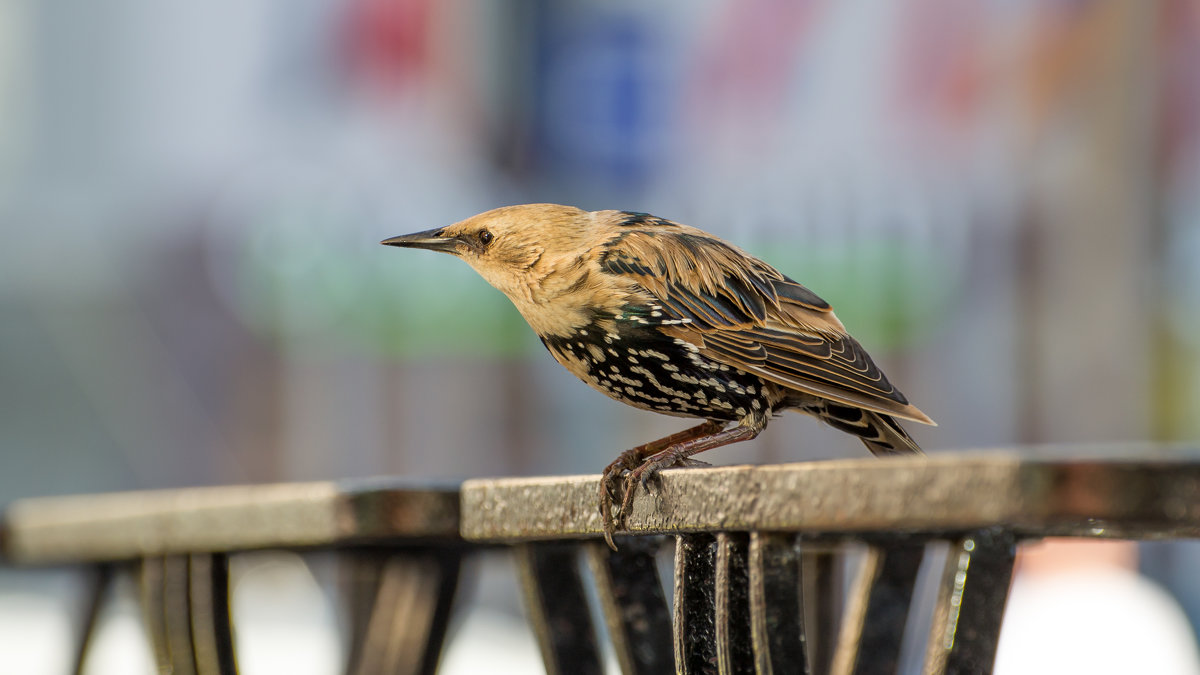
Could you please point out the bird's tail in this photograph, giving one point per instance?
(881, 433)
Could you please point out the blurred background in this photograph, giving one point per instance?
(1001, 199)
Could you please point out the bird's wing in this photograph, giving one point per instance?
(739, 310)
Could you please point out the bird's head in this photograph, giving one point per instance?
(513, 247)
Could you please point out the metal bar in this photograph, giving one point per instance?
(185, 605)
(634, 606)
(201, 614)
(970, 604)
(1144, 492)
(1126, 498)
(359, 573)
(223, 615)
(450, 575)
(821, 593)
(558, 608)
(178, 612)
(695, 604)
(735, 652)
(877, 610)
(777, 621)
(408, 614)
(99, 580)
(211, 623)
(165, 591)
(132, 525)
(151, 590)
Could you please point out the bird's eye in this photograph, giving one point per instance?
(485, 237)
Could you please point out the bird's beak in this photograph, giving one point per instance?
(434, 240)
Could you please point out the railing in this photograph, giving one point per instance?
(757, 556)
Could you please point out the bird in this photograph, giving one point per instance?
(669, 318)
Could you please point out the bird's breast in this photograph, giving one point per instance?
(638, 365)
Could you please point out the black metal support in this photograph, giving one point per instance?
(738, 604)
(877, 610)
(185, 601)
(776, 607)
(400, 608)
(99, 580)
(735, 651)
(820, 582)
(634, 606)
(695, 604)
(558, 608)
(970, 604)
(152, 594)
(164, 590)
(211, 624)
(358, 574)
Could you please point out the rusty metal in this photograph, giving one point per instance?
(633, 604)
(970, 604)
(1045, 495)
(131, 525)
(558, 610)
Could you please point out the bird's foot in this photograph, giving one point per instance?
(650, 477)
(647, 473)
(614, 486)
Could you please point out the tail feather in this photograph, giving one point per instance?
(882, 434)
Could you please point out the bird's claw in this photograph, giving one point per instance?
(608, 497)
(614, 490)
(622, 478)
(642, 477)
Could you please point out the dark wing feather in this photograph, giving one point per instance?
(739, 310)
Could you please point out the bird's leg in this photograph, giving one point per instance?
(611, 480)
(678, 453)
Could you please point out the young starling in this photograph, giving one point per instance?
(669, 318)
